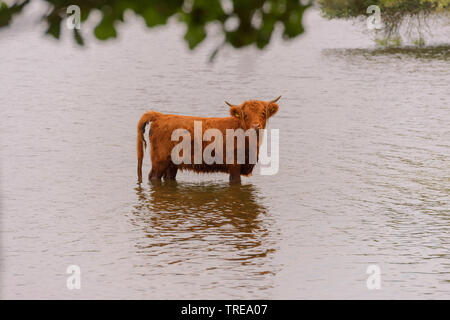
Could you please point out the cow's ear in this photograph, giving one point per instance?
(272, 108)
(235, 112)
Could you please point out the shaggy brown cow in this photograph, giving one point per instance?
(252, 114)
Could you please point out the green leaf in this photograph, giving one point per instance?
(105, 29)
(77, 36)
(6, 13)
(152, 17)
(265, 32)
(293, 23)
(54, 28)
(194, 35)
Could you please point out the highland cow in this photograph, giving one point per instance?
(250, 116)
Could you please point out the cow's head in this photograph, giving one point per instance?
(253, 114)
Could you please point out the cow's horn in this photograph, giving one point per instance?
(273, 101)
(229, 104)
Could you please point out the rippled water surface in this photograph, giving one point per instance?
(364, 169)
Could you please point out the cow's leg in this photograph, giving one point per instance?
(154, 175)
(157, 171)
(171, 172)
(235, 174)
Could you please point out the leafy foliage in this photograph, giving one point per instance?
(6, 13)
(256, 18)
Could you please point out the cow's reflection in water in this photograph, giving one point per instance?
(214, 220)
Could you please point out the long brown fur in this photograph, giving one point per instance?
(250, 114)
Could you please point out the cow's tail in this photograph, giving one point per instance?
(141, 143)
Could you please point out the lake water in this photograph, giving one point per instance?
(364, 173)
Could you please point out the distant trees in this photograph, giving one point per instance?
(395, 13)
